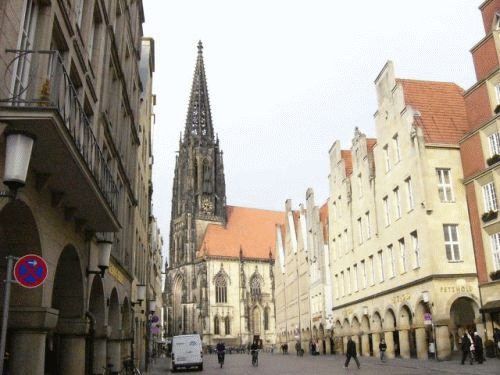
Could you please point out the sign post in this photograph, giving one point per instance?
(30, 271)
(6, 304)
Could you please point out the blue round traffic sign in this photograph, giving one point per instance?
(30, 271)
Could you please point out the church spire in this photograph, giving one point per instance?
(199, 119)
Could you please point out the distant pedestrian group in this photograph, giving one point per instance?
(472, 348)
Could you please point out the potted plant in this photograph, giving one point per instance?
(490, 215)
(494, 159)
(495, 275)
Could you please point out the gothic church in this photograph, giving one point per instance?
(220, 280)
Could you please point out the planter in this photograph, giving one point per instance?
(495, 275)
(490, 215)
(494, 159)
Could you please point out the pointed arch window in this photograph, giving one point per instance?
(227, 325)
(266, 319)
(220, 289)
(207, 178)
(255, 288)
(216, 326)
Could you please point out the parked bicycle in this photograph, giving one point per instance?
(129, 367)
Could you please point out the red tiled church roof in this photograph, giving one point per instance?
(443, 116)
(250, 229)
(323, 216)
(347, 156)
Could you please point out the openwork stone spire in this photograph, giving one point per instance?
(199, 119)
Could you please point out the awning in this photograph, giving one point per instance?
(491, 306)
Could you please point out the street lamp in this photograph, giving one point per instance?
(104, 247)
(18, 148)
(141, 295)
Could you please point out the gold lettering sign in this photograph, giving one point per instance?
(456, 289)
(116, 273)
(401, 298)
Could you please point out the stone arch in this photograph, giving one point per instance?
(126, 323)
(179, 297)
(68, 290)
(464, 315)
(68, 299)
(405, 317)
(18, 237)
(389, 322)
(98, 312)
(114, 319)
(376, 322)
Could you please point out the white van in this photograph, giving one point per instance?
(187, 352)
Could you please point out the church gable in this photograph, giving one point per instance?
(253, 231)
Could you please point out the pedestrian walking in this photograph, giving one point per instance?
(382, 348)
(351, 353)
(478, 346)
(496, 338)
(466, 344)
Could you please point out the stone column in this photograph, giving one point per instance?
(72, 345)
(29, 326)
(365, 345)
(404, 344)
(376, 336)
(32, 346)
(443, 346)
(328, 348)
(421, 342)
(100, 346)
(389, 340)
(114, 354)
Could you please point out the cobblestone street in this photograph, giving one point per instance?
(332, 364)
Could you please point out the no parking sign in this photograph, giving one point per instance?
(30, 271)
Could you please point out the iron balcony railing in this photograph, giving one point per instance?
(40, 79)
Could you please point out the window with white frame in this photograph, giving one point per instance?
(372, 269)
(381, 263)
(416, 248)
(334, 209)
(337, 286)
(363, 273)
(490, 197)
(339, 245)
(451, 242)
(397, 150)
(339, 207)
(360, 186)
(387, 158)
(342, 285)
(494, 141)
(495, 250)
(397, 203)
(348, 280)
(360, 231)
(497, 92)
(346, 241)
(392, 259)
(334, 247)
(386, 210)
(355, 277)
(368, 225)
(409, 193)
(402, 252)
(445, 187)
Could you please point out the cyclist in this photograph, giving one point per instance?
(254, 350)
(221, 350)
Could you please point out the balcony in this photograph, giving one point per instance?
(38, 96)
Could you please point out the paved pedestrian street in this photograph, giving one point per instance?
(277, 364)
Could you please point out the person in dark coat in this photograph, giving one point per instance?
(466, 348)
(351, 353)
(382, 348)
(478, 345)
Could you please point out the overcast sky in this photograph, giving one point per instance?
(288, 78)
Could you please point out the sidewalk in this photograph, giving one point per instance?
(160, 366)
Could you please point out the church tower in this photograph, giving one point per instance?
(198, 199)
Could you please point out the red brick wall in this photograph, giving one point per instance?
(477, 239)
(478, 107)
(472, 156)
(485, 58)
(488, 13)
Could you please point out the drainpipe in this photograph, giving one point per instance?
(89, 366)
